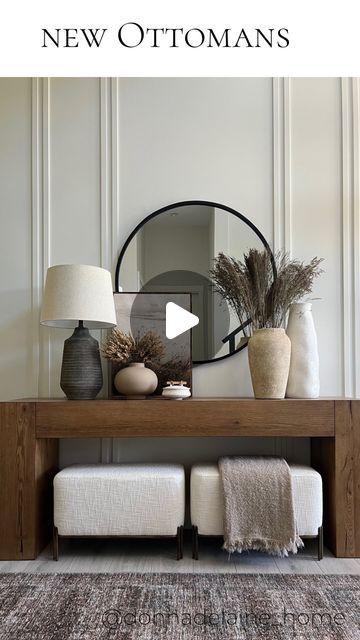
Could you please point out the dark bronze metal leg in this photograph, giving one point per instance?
(195, 543)
(180, 543)
(320, 543)
(55, 544)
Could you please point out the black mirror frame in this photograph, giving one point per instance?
(206, 203)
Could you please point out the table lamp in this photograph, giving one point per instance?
(76, 294)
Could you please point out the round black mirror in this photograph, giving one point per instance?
(172, 250)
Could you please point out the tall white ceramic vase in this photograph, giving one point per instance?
(303, 381)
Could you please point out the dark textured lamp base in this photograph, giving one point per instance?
(81, 373)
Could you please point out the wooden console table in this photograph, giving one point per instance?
(30, 431)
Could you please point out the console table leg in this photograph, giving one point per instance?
(27, 467)
(338, 461)
(347, 478)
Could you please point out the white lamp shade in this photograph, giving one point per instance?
(76, 292)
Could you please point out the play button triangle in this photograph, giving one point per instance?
(178, 320)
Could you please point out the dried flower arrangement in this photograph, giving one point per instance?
(122, 348)
(254, 291)
(176, 368)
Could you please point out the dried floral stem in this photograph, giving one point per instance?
(175, 368)
(252, 290)
(123, 348)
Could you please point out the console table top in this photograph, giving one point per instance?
(194, 417)
(191, 399)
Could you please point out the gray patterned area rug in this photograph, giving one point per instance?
(178, 607)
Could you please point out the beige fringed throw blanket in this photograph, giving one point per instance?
(259, 509)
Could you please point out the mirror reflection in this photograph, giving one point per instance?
(173, 251)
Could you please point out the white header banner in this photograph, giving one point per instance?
(183, 38)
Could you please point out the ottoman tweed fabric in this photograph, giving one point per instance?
(119, 500)
(207, 501)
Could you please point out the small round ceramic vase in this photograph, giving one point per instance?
(136, 381)
(269, 360)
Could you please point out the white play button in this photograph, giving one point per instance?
(178, 320)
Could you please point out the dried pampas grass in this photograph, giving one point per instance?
(256, 290)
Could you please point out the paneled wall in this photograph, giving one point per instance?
(83, 160)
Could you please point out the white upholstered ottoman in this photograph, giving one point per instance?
(120, 500)
(207, 503)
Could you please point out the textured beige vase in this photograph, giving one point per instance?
(136, 380)
(269, 353)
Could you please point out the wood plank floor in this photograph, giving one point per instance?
(118, 556)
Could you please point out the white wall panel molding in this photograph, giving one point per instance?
(278, 164)
(115, 172)
(109, 171)
(36, 222)
(105, 173)
(350, 228)
(115, 204)
(40, 221)
(106, 138)
(109, 200)
(356, 212)
(282, 164)
(282, 191)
